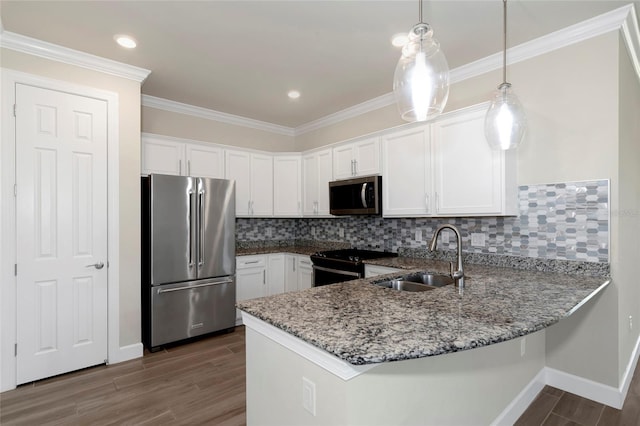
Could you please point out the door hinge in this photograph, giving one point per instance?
(15, 269)
(14, 110)
(15, 350)
(15, 190)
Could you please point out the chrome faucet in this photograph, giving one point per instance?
(457, 275)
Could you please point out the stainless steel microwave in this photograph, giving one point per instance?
(356, 196)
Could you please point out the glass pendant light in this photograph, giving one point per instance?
(505, 123)
(421, 79)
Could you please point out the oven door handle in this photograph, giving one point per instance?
(337, 271)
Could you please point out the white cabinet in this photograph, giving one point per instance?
(251, 278)
(375, 270)
(298, 272)
(275, 274)
(287, 185)
(253, 174)
(446, 168)
(470, 177)
(406, 176)
(358, 158)
(175, 157)
(317, 170)
(305, 272)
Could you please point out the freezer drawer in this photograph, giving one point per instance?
(180, 311)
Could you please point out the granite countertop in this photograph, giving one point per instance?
(362, 323)
(307, 248)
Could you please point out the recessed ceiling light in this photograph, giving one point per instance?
(400, 39)
(293, 94)
(125, 41)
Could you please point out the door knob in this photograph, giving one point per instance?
(98, 265)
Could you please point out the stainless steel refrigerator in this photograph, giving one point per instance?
(188, 255)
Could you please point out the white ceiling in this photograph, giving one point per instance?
(241, 57)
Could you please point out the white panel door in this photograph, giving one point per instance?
(61, 150)
(204, 161)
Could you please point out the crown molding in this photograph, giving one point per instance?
(209, 114)
(32, 46)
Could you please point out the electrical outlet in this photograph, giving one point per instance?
(445, 237)
(523, 346)
(309, 396)
(418, 235)
(477, 239)
(341, 232)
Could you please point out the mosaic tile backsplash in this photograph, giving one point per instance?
(564, 221)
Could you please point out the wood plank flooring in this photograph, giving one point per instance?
(203, 382)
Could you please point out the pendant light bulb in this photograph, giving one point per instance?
(505, 123)
(421, 78)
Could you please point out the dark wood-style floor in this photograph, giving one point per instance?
(203, 382)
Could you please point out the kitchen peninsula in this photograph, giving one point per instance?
(357, 353)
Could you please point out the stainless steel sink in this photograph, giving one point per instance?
(417, 282)
(435, 280)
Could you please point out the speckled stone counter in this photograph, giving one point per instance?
(362, 323)
(246, 248)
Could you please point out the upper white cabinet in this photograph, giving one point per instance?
(446, 168)
(358, 158)
(253, 174)
(469, 177)
(406, 175)
(317, 172)
(287, 185)
(171, 156)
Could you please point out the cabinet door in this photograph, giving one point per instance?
(275, 274)
(310, 184)
(204, 161)
(305, 273)
(468, 174)
(238, 168)
(162, 156)
(291, 272)
(325, 175)
(367, 156)
(250, 283)
(406, 182)
(343, 161)
(287, 185)
(261, 185)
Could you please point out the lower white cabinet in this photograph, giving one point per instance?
(276, 274)
(251, 279)
(375, 270)
(305, 272)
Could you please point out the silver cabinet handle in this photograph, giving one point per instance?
(355, 167)
(188, 167)
(179, 167)
(98, 265)
(426, 202)
(437, 203)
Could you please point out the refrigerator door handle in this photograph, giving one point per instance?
(189, 287)
(190, 230)
(201, 227)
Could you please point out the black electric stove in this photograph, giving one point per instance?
(333, 266)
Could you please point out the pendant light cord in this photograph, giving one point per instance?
(504, 50)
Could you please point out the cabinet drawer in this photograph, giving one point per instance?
(244, 262)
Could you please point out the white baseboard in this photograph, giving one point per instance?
(521, 402)
(126, 353)
(598, 392)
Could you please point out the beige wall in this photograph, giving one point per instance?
(626, 217)
(167, 123)
(129, 151)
